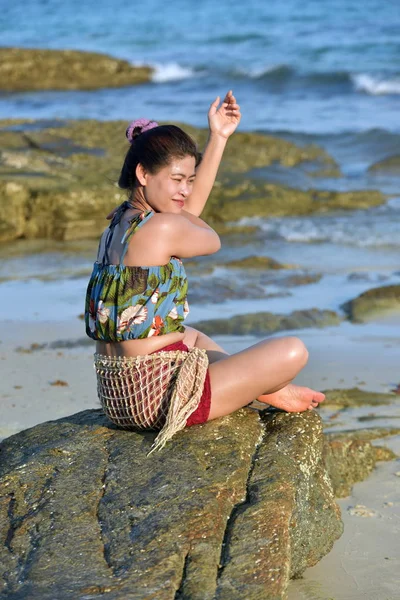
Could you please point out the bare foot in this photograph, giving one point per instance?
(293, 398)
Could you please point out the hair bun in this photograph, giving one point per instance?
(137, 127)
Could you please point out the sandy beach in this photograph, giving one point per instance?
(57, 379)
(48, 373)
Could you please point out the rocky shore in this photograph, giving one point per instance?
(32, 69)
(376, 302)
(56, 176)
(84, 513)
(57, 181)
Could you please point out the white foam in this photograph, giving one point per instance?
(376, 86)
(171, 72)
(364, 230)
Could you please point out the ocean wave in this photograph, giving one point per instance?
(282, 73)
(375, 230)
(376, 86)
(340, 80)
(171, 72)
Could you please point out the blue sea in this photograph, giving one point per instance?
(325, 72)
(316, 68)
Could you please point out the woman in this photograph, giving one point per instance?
(152, 371)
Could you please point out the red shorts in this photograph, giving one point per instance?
(200, 415)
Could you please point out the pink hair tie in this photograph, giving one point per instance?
(143, 124)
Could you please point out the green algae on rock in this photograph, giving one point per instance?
(84, 512)
(373, 303)
(300, 279)
(368, 434)
(255, 262)
(70, 169)
(289, 484)
(391, 164)
(355, 397)
(350, 457)
(262, 323)
(232, 201)
(26, 69)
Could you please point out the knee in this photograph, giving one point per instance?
(296, 352)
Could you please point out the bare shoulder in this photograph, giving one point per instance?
(167, 226)
(184, 235)
(151, 243)
(169, 234)
(165, 223)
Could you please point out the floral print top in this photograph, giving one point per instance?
(125, 303)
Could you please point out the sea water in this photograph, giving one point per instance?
(324, 72)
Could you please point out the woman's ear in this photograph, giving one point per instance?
(141, 174)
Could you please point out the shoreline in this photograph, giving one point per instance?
(364, 563)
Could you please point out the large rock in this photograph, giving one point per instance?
(232, 200)
(25, 69)
(391, 164)
(351, 397)
(228, 510)
(255, 262)
(262, 323)
(374, 303)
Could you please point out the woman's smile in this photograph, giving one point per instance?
(180, 202)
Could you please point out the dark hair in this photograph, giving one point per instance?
(154, 149)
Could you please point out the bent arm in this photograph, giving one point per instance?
(206, 174)
(223, 121)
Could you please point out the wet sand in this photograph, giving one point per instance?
(365, 562)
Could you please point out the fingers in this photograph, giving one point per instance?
(229, 100)
(232, 111)
(231, 105)
(228, 96)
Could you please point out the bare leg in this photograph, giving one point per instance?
(282, 394)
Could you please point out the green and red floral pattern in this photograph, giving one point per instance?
(124, 302)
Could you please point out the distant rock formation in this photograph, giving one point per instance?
(26, 69)
(58, 179)
(373, 303)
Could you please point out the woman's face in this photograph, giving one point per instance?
(171, 186)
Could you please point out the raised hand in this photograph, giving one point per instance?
(224, 120)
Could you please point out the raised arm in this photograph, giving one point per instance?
(222, 121)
